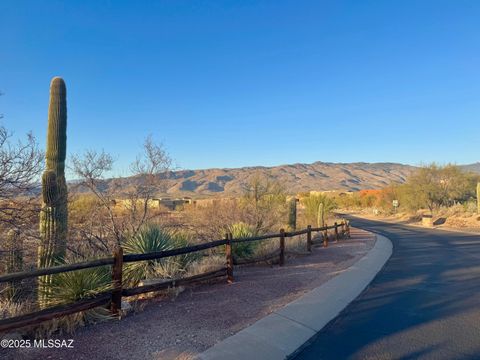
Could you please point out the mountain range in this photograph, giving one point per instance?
(318, 176)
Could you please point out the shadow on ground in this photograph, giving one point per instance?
(425, 303)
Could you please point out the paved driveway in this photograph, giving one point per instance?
(424, 304)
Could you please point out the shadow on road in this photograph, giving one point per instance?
(425, 303)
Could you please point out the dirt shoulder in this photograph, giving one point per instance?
(456, 222)
(203, 315)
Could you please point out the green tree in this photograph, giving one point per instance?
(433, 186)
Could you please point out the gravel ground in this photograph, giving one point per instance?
(203, 315)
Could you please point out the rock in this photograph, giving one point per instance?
(126, 307)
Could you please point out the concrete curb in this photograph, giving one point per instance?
(283, 332)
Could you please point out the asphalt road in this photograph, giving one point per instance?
(424, 304)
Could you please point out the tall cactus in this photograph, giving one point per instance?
(292, 214)
(321, 215)
(478, 197)
(54, 214)
(14, 261)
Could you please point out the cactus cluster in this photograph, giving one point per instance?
(14, 262)
(292, 214)
(54, 213)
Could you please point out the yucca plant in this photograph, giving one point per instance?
(69, 287)
(152, 238)
(245, 249)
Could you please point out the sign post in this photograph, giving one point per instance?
(395, 205)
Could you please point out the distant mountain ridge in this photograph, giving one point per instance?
(318, 176)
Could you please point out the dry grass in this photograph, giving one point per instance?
(9, 308)
(206, 264)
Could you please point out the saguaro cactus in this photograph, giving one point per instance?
(478, 197)
(14, 261)
(54, 214)
(321, 215)
(292, 214)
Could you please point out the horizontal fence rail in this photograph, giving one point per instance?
(175, 252)
(38, 317)
(56, 269)
(114, 296)
(173, 283)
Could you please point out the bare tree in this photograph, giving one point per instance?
(20, 167)
(147, 168)
(265, 202)
(125, 206)
(91, 169)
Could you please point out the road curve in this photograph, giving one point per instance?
(424, 304)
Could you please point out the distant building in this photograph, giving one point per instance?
(172, 204)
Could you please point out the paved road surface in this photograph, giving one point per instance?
(424, 304)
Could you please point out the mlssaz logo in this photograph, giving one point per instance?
(53, 343)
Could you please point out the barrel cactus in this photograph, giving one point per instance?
(54, 213)
(14, 261)
(292, 214)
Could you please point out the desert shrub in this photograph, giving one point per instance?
(206, 264)
(208, 218)
(470, 206)
(10, 308)
(152, 238)
(245, 249)
(264, 203)
(434, 186)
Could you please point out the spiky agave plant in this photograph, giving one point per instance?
(152, 238)
(244, 249)
(54, 213)
(69, 287)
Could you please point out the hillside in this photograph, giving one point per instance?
(295, 178)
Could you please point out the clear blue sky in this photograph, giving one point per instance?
(234, 83)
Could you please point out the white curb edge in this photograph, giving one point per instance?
(283, 332)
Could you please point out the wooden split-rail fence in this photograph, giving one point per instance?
(113, 297)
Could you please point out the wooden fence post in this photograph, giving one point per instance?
(116, 303)
(336, 232)
(325, 236)
(228, 253)
(309, 238)
(282, 247)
